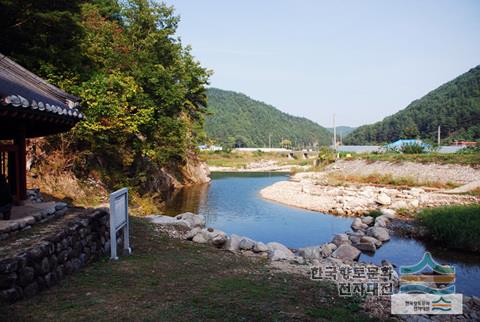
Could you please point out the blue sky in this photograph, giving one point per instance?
(362, 60)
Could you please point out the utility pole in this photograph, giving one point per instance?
(270, 140)
(334, 134)
(438, 136)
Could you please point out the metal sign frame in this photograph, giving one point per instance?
(119, 220)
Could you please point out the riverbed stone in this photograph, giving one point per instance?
(368, 220)
(312, 252)
(379, 233)
(192, 219)
(399, 204)
(247, 243)
(357, 224)
(328, 249)
(366, 247)
(369, 239)
(192, 233)
(168, 221)
(389, 213)
(381, 221)
(279, 252)
(383, 199)
(346, 252)
(233, 243)
(354, 239)
(260, 247)
(200, 238)
(340, 239)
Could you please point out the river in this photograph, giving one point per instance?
(231, 203)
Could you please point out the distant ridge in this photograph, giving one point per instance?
(455, 106)
(237, 118)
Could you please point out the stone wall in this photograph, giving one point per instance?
(64, 251)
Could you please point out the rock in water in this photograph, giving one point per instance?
(357, 224)
(368, 220)
(369, 239)
(379, 233)
(383, 199)
(346, 252)
(340, 239)
(366, 247)
(381, 221)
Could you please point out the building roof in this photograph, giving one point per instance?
(26, 98)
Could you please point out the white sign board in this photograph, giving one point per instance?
(119, 220)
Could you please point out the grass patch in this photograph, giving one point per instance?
(173, 280)
(453, 226)
(386, 179)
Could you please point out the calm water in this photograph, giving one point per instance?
(231, 203)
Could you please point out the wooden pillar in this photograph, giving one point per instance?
(20, 142)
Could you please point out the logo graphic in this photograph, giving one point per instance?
(439, 281)
(441, 305)
(427, 287)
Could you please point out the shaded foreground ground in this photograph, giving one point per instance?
(173, 280)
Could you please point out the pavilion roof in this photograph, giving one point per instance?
(42, 107)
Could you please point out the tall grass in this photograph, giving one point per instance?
(454, 226)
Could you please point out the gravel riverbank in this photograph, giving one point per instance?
(307, 190)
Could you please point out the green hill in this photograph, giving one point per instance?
(343, 130)
(455, 106)
(236, 118)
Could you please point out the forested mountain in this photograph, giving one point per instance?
(236, 119)
(343, 130)
(455, 106)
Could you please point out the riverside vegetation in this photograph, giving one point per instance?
(141, 90)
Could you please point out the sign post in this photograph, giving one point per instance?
(119, 220)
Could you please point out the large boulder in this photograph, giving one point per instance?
(383, 199)
(381, 221)
(169, 221)
(233, 243)
(389, 213)
(247, 243)
(369, 239)
(211, 236)
(193, 220)
(279, 252)
(379, 233)
(357, 224)
(327, 249)
(260, 247)
(366, 247)
(192, 233)
(340, 239)
(346, 252)
(312, 252)
(368, 220)
(399, 204)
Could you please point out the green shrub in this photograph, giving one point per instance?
(413, 148)
(453, 226)
(375, 213)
